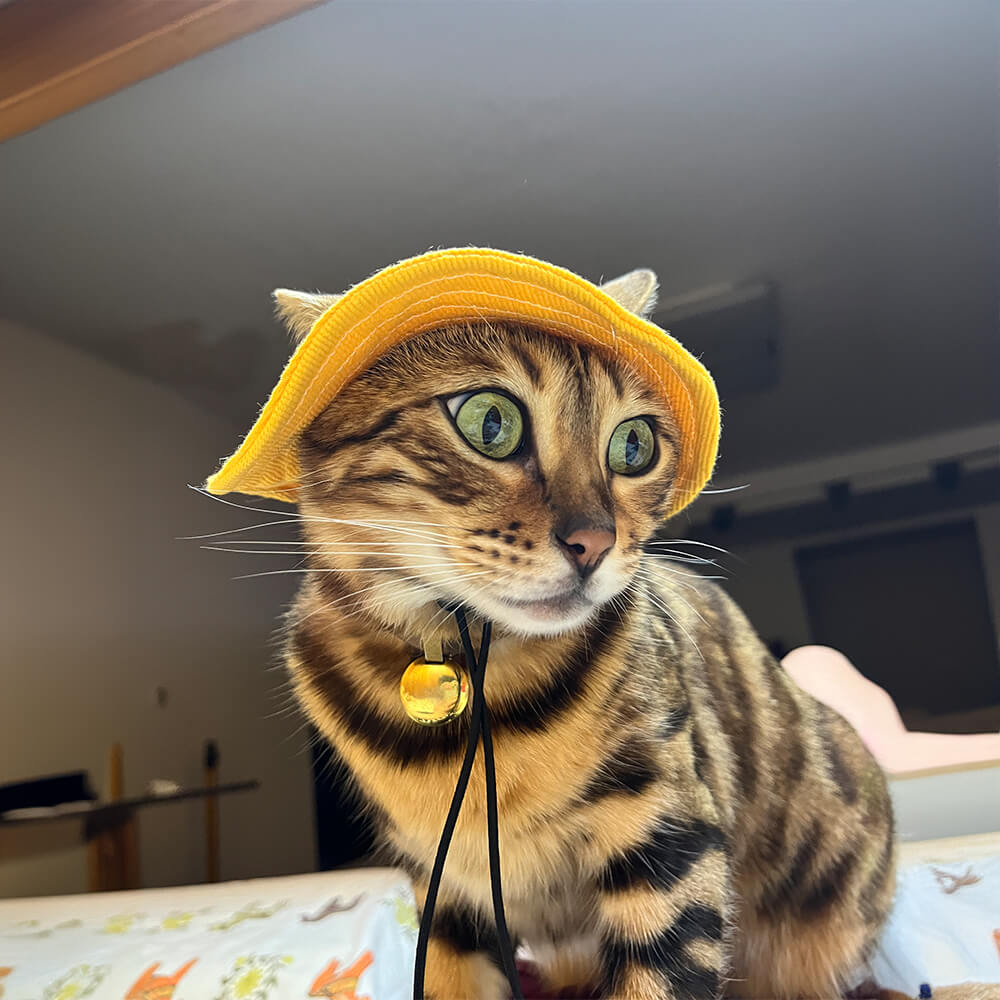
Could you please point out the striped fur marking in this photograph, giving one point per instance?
(661, 861)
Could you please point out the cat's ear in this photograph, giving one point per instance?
(636, 291)
(300, 310)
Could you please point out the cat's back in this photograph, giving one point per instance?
(805, 804)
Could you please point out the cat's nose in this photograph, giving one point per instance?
(586, 547)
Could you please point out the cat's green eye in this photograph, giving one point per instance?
(632, 447)
(492, 423)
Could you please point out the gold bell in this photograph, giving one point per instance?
(434, 693)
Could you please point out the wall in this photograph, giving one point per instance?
(764, 578)
(102, 604)
(953, 803)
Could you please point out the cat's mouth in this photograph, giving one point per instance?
(553, 605)
(548, 614)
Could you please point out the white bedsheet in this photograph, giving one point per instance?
(945, 925)
(351, 935)
(339, 935)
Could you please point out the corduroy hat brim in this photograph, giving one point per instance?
(467, 284)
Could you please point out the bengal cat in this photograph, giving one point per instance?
(678, 820)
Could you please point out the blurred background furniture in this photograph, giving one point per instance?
(110, 828)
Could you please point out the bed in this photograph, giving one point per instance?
(945, 926)
(339, 935)
(351, 935)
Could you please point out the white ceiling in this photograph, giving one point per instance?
(846, 151)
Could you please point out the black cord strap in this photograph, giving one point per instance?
(479, 725)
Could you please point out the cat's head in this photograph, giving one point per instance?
(494, 464)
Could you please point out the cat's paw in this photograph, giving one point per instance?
(455, 975)
(647, 984)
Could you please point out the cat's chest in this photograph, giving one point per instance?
(559, 722)
(538, 774)
(537, 826)
(540, 781)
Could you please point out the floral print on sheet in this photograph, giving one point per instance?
(254, 911)
(253, 977)
(79, 982)
(332, 936)
(121, 923)
(34, 929)
(176, 921)
(404, 910)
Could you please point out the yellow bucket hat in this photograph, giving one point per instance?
(448, 286)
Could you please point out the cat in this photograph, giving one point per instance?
(677, 819)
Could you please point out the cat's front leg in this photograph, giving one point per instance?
(662, 906)
(461, 953)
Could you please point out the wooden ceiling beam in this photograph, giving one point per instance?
(59, 55)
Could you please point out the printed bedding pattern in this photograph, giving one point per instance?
(340, 936)
(351, 936)
(944, 927)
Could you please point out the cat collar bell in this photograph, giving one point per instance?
(433, 690)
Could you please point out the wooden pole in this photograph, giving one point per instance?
(107, 849)
(116, 773)
(211, 812)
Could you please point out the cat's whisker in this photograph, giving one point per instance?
(496, 573)
(620, 602)
(425, 581)
(434, 535)
(426, 585)
(676, 621)
(295, 516)
(401, 520)
(363, 569)
(707, 490)
(680, 553)
(728, 489)
(327, 551)
(675, 555)
(231, 531)
(648, 574)
(681, 561)
(330, 605)
(306, 479)
(664, 562)
(376, 526)
(331, 546)
(438, 619)
(692, 608)
(694, 541)
(442, 614)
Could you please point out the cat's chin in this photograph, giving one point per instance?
(543, 617)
